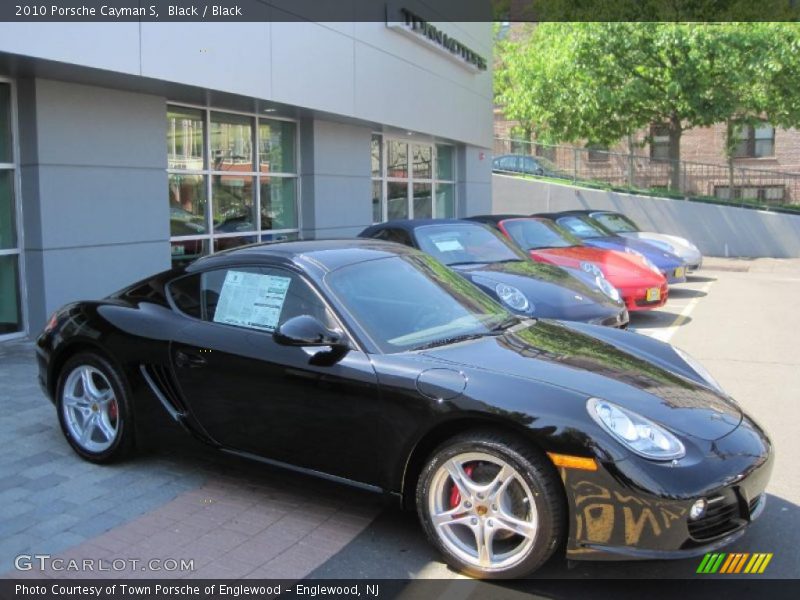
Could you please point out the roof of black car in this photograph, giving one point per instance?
(330, 254)
(412, 224)
(495, 218)
(564, 213)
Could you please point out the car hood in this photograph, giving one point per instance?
(682, 247)
(666, 261)
(636, 372)
(547, 286)
(618, 267)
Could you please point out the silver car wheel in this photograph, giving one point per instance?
(90, 409)
(483, 510)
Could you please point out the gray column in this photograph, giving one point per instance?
(94, 191)
(335, 179)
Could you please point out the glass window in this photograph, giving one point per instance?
(397, 200)
(465, 243)
(187, 204)
(249, 297)
(422, 161)
(755, 141)
(397, 159)
(597, 153)
(8, 227)
(284, 236)
(615, 223)
(581, 227)
(246, 189)
(383, 295)
(423, 203)
(185, 139)
(6, 143)
(376, 154)
(659, 142)
(234, 203)
(444, 162)
(445, 200)
(278, 206)
(10, 311)
(377, 192)
(185, 251)
(276, 152)
(231, 142)
(530, 233)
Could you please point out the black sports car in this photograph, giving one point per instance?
(525, 287)
(372, 363)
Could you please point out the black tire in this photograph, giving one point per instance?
(123, 443)
(537, 472)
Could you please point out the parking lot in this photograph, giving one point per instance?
(237, 519)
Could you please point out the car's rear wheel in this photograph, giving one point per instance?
(93, 409)
(491, 504)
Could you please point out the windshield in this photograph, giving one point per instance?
(409, 302)
(615, 222)
(582, 227)
(464, 243)
(531, 234)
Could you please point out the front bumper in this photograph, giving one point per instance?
(638, 509)
(636, 297)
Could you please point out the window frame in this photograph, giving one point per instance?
(665, 144)
(410, 180)
(208, 172)
(746, 139)
(337, 317)
(16, 188)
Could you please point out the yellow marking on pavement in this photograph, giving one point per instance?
(666, 333)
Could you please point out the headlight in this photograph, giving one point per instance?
(638, 434)
(512, 297)
(592, 269)
(700, 370)
(608, 289)
(647, 262)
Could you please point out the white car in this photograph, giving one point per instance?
(619, 224)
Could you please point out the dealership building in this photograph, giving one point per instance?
(128, 147)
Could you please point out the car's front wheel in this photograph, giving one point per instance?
(492, 505)
(93, 409)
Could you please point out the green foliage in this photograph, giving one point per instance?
(603, 81)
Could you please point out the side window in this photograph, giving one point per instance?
(252, 298)
(394, 235)
(400, 236)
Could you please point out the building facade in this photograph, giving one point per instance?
(129, 147)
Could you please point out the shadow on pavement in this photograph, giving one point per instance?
(656, 318)
(676, 292)
(698, 279)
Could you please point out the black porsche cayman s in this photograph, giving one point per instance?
(372, 363)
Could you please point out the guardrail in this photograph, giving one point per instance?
(753, 188)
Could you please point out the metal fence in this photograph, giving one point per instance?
(761, 188)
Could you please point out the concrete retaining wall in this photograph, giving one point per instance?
(717, 230)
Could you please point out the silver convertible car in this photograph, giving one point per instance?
(619, 224)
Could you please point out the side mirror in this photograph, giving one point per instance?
(306, 330)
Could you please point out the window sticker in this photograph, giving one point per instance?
(251, 300)
(448, 245)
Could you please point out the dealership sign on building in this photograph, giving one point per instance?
(410, 23)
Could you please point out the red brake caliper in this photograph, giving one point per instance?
(455, 495)
(112, 410)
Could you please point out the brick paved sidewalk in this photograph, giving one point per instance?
(232, 518)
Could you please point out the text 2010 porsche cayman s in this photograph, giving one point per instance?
(372, 363)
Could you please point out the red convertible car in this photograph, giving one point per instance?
(641, 285)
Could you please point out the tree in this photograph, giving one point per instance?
(604, 81)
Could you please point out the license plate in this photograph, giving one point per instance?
(653, 294)
(679, 272)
